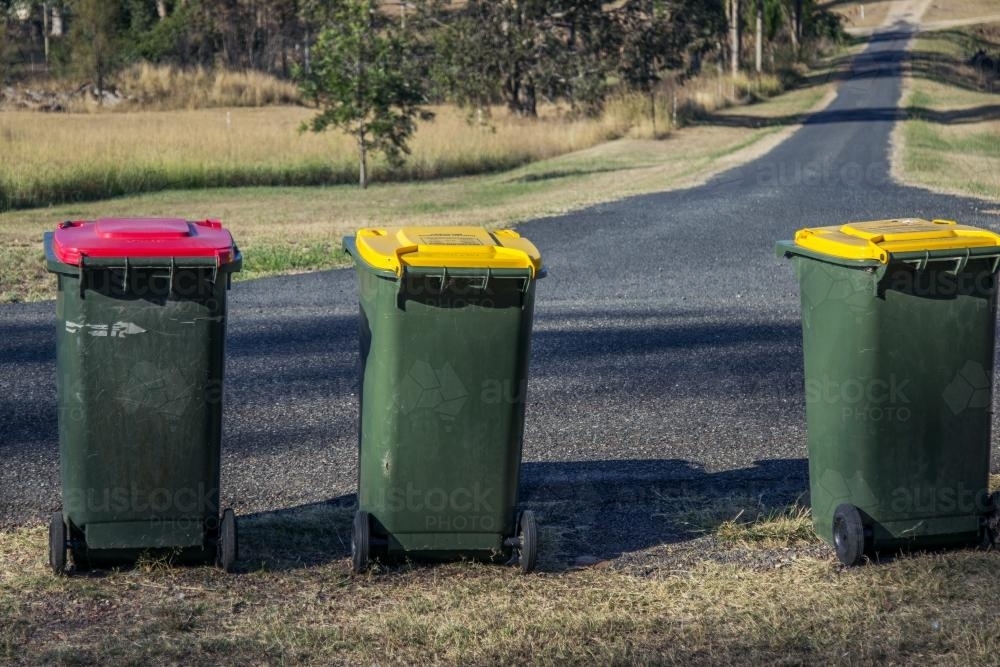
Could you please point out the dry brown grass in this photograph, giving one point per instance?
(66, 157)
(954, 10)
(295, 602)
(875, 12)
(164, 87)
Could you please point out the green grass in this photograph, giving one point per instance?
(951, 140)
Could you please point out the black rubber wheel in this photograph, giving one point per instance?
(848, 534)
(361, 542)
(57, 543)
(528, 534)
(992, 532)
(228, 544)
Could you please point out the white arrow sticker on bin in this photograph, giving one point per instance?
(116, 330)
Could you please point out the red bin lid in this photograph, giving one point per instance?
(142, 237)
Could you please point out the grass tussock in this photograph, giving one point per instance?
(791, 526)
(164, 88)
(673, 106)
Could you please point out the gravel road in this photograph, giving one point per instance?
(666, 353)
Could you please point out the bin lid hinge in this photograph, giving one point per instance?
(125, 277)
(82, 275)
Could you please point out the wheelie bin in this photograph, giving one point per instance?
(898, 328)
(445, 325)
(141, 323)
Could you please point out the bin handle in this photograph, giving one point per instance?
(921, 262)
(81, 276)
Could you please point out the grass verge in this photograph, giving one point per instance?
(295, 602)
(950, 139)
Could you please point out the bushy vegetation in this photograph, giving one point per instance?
(374, 69)
(476, 53)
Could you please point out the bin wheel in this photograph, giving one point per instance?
(57, 543)
(228, 545)
(992, 532)
(361, 538)
(848, 534)
(528, 534)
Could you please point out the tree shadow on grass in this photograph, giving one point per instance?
(566, 173)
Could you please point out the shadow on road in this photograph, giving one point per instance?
(974, 71)
(892, 114)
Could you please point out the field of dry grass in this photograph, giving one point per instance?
(55, 158)
(862, 15)
(138, 147)
(756, 589)
(954, 10)
(951, 141)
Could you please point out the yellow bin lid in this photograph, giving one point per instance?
(878, 239)
(448, 248)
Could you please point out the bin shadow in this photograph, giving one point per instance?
(591, 511)
(587, 511)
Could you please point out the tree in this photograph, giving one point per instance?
(6, 42)
(759, 36)
(95, 34)
(360, 80)
(734, 36)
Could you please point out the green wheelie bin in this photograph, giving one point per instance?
(898, 328)
(141, 324)
(445, 328)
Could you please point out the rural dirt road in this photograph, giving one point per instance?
(666, 356)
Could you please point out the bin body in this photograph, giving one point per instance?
(898, 361)
(140, 356)
(444, 367)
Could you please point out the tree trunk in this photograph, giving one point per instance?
(512, 90)
(363, 158)
(652, 108)
(734, 37)
(530, 104)
(795, 27)
(306, 53)
(57, 22)
(798, 20)
(759, 38)
(45, 29)
(161, 9)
